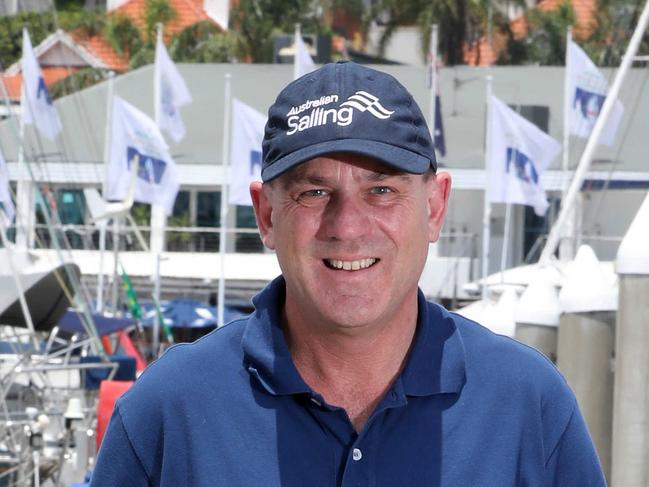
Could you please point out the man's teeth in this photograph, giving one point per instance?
(351, 265)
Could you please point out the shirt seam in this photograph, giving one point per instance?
(565, 429)
(130, 443)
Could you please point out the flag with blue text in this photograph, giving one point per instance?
(135, 139)
(587, 88)
(171, 93)
(518, 154)
(5, 193)
(36, 103)
(302, 60)
(245, 151)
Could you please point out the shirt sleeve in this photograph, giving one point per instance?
(574, 461)
(117, 463)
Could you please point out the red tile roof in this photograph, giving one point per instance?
(51, 75)
(99, 47)
(585, 11)
(188, 12)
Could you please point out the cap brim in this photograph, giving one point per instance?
(392, 156)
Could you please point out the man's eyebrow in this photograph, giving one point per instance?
(382, 176)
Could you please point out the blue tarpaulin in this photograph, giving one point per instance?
(71, 323)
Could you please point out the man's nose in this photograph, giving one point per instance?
(346, 218)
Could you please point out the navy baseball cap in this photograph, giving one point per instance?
(346, 107)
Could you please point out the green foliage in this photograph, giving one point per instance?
(545, 43)
(143, 56)
(122, 34)
(616, 20)
(258, 21)
(460, 22)
(40, 25)
(157, 11)
(89, 22)
(203, 42)
(141, 213)
(79, 80)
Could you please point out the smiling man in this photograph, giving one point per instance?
(345, 375)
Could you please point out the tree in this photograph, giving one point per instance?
(79, 80)
(203, 42)
(122, 34)
(40, 25)
(545, 42)
(157, 12)
(258, 21)
(460, 22)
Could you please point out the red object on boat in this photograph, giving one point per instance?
(109, 392)
(129, 349)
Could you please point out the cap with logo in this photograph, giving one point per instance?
(346, 107)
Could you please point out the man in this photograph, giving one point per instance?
(344, 374)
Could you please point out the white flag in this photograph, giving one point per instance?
(37, 107)
(5, 193)
(302, 61)
(518, 153)
(587, 88)
(135, 139)
(245, 151)
(171, 93)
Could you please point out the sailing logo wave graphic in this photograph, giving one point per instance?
(364, 101)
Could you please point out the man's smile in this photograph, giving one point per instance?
(350, 265)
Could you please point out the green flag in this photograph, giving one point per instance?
(165, 328)
(131, 296)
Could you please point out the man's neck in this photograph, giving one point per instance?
(352, 369)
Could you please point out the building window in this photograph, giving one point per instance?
(247, 242)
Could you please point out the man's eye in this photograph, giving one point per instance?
(381, 190)
(313, 193)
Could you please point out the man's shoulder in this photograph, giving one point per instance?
(185, 366)
(489, 356)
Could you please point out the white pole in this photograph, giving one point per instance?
(566, 118)
(158, 215)
(224, 198)
(24, 190)
(102, 224)
(433, 247)
(586, 158)
(486, 217)
(566, 243)
(296, 64)
(433, 79)
(505, 248)
(115, 263)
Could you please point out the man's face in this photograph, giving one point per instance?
(351, 237)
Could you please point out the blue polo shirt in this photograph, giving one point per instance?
(470, 408)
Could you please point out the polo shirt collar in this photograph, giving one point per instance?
(265, 350)
(435, 364)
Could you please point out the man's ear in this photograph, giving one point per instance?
(260, 194)
(438, 192)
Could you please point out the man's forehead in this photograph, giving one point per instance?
(322, 167)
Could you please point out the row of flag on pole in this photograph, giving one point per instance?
(518, 151)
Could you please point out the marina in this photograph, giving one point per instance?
(112, 253)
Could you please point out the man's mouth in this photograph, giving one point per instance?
(350, 265)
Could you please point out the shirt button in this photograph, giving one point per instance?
(357, 454)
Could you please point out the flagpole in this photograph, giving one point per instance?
(433, 247)
(486, 217)
(591, 145)
(158, 216)
(298, 35)
(565, 247)
(24, 197)
(433, 78)
(224, 197)
(104, 222)
(505, 247)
